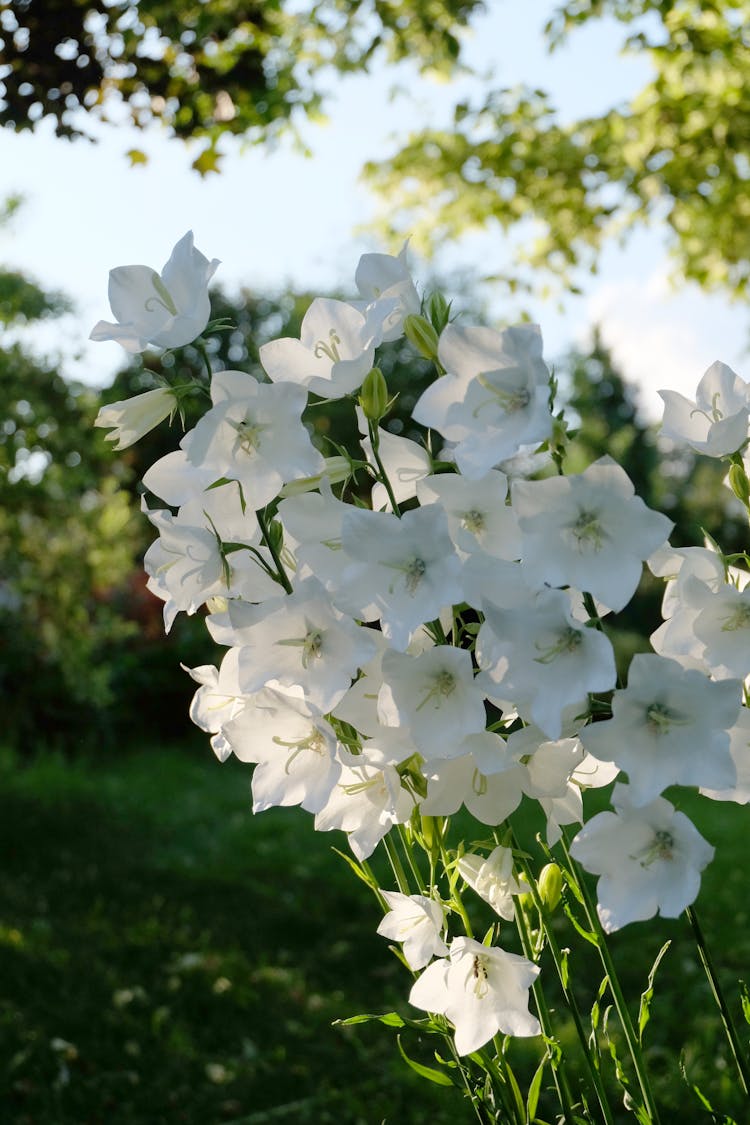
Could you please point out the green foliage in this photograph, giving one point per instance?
(677, 152)
(68, 535)
(204, 68)
(171, 958)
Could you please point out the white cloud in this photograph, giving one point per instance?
(662, 338)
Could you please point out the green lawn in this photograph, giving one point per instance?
(168, 957)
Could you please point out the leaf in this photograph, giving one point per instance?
(535, 1087)
(390, 1019)
(745, 999)
(136, 156)
(358, 870)
(207, 161)
(644, 1010)
(427, 1072)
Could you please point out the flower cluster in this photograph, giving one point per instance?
(407, 635)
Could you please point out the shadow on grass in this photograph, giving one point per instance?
(169, 958)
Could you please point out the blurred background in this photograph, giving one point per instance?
(584, 165)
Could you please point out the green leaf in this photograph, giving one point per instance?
(390, 1019)
(427, 1072)
(535, 1088)
(644, 1010)
(745, 1000)
(358, 870)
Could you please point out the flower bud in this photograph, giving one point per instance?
(374, 395)
(739, 483)
(439, 311)
(133, 417)
(549, 885)
(422, 335)
(275, 536)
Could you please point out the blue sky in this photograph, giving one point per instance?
(278, 218)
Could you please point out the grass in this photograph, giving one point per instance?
(168, 957)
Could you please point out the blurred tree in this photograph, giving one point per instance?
(204, 67)
(676, 154)
(67, 533)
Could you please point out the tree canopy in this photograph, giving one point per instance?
(676, 153)
(203, 67)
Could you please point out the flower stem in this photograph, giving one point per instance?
(382, 475)
(396, 866)
(558, 1068)
(718, 995)
(281, 572)
(570, 1000)
(626, 1021)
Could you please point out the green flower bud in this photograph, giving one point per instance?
(439, 311)
(276, 536)
(739, 483)
(374, 395)
(549, 885)
(422, 335)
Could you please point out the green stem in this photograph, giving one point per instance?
(626, 1021)
(201, 349)
(718, 995)
(382, 475)
(558, 1070)
(396, 866)
(282, 575)
(570, 1000)
(456, 900)
(407, 850)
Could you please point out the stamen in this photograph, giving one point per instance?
(311, 645)
(510, 400)
(568, 641)
(329, 349)
(248, 434)
(739, 618)
(661, 847)
(479, 973)
(473, 521)
(660, 718)
(443, 684)
(163, 297)
(587, 532)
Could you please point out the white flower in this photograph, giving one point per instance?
(367, 801)
(131, 418)
(478, 517)
(739, 748)
(589, 531)
(668, 727)
(434, 696)
(405, 464)
(332, 355)
(482, 990)
(303, 641)
(384, 281)
(542, 660)
(402, 572)
(493, 880)
(649, 859)
(493, 399)
(253, 434)
(168, 310)
(293, 746)
(716, 423)
(490, 789)
(416, 921)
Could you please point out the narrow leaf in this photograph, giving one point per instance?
(644, 1010)
(427, 1072)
